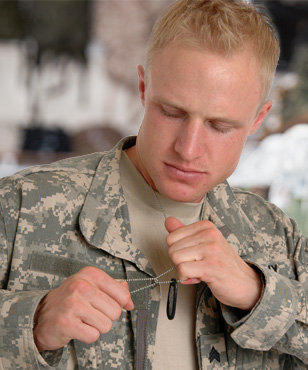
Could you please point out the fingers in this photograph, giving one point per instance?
(188, 240)
(201, 253)
(116, 290)
(101, 296)
(129, 305)
(186, 244)
(82, 307)
(197, 250)
(178, 231)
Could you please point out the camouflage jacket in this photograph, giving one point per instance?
(56, 219)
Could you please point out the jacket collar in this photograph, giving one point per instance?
(104, 220)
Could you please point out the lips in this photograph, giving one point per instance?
(184, 173)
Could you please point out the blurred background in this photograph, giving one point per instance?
(68, 86)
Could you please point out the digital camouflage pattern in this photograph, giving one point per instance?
(56, 219)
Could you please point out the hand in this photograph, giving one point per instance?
(82, 307)
(201, 253)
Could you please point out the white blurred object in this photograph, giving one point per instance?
(279, 162)
(276, 155)
(9, 164)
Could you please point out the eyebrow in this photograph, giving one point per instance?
(175, 106)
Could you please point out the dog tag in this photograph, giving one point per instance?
(172, 296)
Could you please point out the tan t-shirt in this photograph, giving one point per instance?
(175, 339)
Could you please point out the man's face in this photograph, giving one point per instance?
(199, 109)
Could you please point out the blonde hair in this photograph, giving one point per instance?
(223, 26)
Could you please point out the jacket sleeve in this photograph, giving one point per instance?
(279, 320)
(17, 347)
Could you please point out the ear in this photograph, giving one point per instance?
(141, 83)
(261, 115)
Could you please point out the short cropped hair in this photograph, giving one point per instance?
(223, 26)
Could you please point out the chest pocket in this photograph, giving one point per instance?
(212, 349)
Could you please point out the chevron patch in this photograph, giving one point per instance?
(214, 355)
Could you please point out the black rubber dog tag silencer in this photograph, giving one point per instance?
(172, 296)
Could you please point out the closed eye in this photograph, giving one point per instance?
(175, 113)
(222, 128)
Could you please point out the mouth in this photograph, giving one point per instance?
(184, 173)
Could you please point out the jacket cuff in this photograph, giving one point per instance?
(17, 346)
(269, 320)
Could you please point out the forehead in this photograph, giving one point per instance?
(195, 78)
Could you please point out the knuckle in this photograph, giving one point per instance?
(116, 313)
(80, 286)
(92, 337)
(169, 239)
(125, 297)
(214, 248)
(89, 271)
(181, 269)
(92, 274)
(206, 224)
(208, 235)
(71, 305)
(62, 322)
(214, 232)
(107, 325)
(174, 256)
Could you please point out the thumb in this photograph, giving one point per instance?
(172, 224)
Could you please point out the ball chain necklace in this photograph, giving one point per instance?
(173, 287)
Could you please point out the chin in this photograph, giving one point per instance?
(190, 197)
(181, 192)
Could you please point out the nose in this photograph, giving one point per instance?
(190, 142)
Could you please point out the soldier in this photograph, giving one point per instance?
(94, 248)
